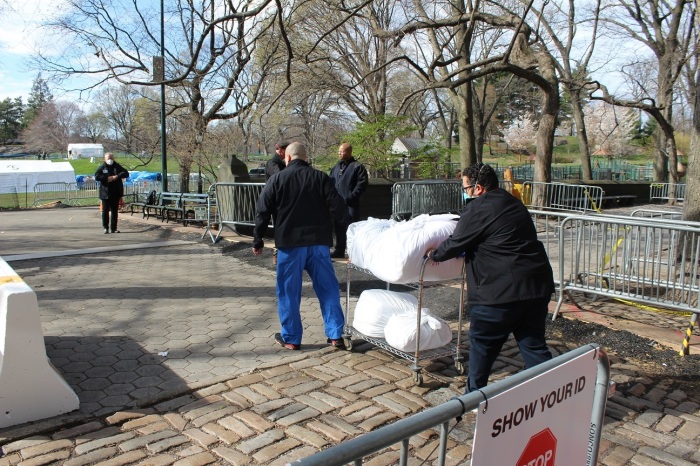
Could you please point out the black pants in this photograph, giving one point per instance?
(492, 325)
(110, 206)
(341, 232)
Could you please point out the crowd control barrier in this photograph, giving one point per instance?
(30, 387)
(566, 443)
(74, 193)
(235, 205)
(666, 192)
(662, 214)
(562, 196)
(412, 198)
(643, 260)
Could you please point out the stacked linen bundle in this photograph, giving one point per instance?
(394, 251)
(392, 316)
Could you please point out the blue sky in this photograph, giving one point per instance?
(20, 32)
(18, 35)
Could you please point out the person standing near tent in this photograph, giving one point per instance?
(110, 175)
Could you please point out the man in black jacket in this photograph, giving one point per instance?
(509, 277)
(276, 163)
(110, 175)
(302, 200)
(350, 178)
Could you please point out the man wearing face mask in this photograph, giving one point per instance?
(110, 175)
(509, 277)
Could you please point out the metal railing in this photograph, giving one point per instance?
(666, 192)
(76, 193)
(52, 192)
(439, 418)
(413, 198)
(562, 196)
(662, 214)
(648, 261)
(235, 205)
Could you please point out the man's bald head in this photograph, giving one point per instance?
(296, 150)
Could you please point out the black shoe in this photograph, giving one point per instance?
(336, 342)
(338, 255)
(290, 346)
(106, 231)
(115, 231)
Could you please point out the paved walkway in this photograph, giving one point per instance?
(168, 344)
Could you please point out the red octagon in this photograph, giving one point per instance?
(540, 450)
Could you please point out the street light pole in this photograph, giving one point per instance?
(163, 153)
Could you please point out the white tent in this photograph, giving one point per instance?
(19, 176)
(85, 151)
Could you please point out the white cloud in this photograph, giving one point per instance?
(18, 36)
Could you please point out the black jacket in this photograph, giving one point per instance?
(506, 261)
(115, 189)
(350, 178)
(303, 202)
(274, 165)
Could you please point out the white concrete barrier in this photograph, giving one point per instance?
(30, 387)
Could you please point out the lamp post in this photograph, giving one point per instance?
(198, 153)
(163, 153)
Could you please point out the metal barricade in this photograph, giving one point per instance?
(235, 205)
(666, 192)
(52, 192)
(439, 417)
(662, 214)
(401, 200)
(212, 214)
(89, 189)
(436, 197)
(562, 196)
(649, 261)
(413, 198)
(548, 226)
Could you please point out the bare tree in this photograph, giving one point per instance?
(665, 28)
(451, 33)
(209, 52)
(56, 125)
(336, 45)
(691, 205)
(561, 20)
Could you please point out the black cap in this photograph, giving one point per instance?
(281, 145)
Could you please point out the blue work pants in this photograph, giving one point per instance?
(316, 260)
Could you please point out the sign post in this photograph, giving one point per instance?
(532, 422)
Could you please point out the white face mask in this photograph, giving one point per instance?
(109, 162)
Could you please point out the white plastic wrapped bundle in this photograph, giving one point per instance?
(375, 307)
(362, 234)
(400, 332)
(396, 254)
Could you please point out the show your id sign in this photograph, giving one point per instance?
(545, 421)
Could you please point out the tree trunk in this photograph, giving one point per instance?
(691, 205)
(584, 148)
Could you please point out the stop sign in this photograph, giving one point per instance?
(540, 450)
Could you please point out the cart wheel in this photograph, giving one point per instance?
(418, 379)
(348, 343)
(459, 367)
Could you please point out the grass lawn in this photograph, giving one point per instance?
(131, 163)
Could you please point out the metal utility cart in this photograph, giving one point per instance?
(451, 349)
